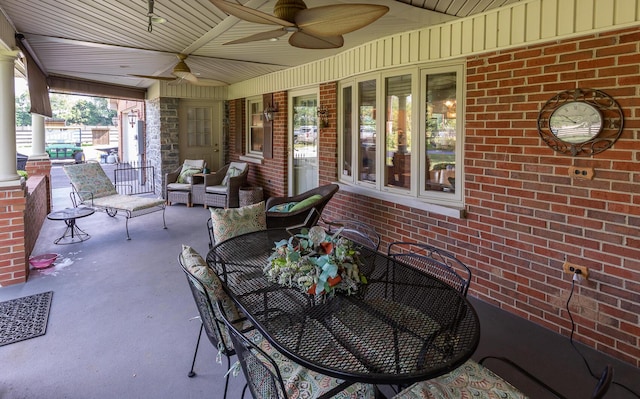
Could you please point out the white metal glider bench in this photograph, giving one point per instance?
(92, 187)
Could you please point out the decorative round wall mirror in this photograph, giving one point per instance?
(580, 122)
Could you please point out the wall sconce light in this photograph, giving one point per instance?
(323, 115)
(269, 111)
(133, 117)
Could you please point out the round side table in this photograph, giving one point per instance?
(73, 233)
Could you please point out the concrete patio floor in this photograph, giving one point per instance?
(120, 327)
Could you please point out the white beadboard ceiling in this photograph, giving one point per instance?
(107, 40)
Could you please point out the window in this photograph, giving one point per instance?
(406, 138)
(199, 127)
(255, 129)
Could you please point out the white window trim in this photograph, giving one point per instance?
(448, 204)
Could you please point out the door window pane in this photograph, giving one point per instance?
(441, 118)
(398, 131)
(199, 127)
(367, 128)
(305, 143)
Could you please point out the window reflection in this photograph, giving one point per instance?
(347, 135)
(441, 117)
(367, 128)
(398, 131)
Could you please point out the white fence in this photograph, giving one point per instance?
(24, 135)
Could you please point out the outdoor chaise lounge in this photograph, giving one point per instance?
(92, 187)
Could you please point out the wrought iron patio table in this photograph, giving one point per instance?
(401, 327)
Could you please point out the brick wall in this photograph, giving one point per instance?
(328, 144)
(271, 174)
(525, 214)
(13, 265)
(38, 207)
(41, 167)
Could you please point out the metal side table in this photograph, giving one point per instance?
(73, 233)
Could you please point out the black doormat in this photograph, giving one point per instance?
(24, 318)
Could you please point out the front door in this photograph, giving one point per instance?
(201, 132)
(303, 160)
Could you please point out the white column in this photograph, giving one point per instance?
(37, 137)
(8, 172)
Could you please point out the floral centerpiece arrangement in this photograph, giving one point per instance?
(316, 262)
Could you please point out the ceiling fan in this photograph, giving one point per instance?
(181, 72)
(312, 28)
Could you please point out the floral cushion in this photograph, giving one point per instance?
(89, 180)
(198, 267)
(128, 203)
(471, 380)
(301, 382)
(231, 222)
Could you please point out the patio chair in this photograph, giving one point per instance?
(205, 286)
(469, 380)
(222, 188)
(92, 187)
(356, 231)
(178, 185)
(298, 210)
(270, 374)
(473, 379)
(434, 261)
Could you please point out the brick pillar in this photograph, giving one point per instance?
(14, 267)
(41, 166)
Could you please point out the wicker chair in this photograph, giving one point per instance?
(222, 191)
(301, 216)
(178, 185)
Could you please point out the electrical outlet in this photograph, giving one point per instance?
(582, 271)
(584, 173)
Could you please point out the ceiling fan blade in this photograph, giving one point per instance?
(305, 40)
(338, 19)
(249, 14)
(209, 82)
(155, 77)
(260, 36)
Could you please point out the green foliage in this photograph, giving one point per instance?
(23, 106)
(23, 174)
(90, 111)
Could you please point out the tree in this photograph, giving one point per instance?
(23, 104)
(92, 112)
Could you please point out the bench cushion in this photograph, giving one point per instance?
(127, 202)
